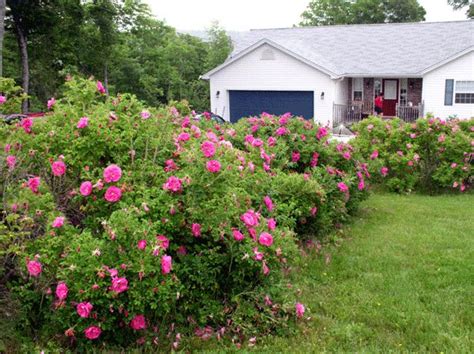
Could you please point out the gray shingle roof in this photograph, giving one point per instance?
(382, 49)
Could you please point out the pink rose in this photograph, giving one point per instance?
(145, 114)
(34, 268)
(257, 254)
(238, 236)
(11, 162)
(257, 143)
(112, 173)
(3, 99)
(361, 185)
(281, 131)
(113, 194)
(384, 171)
(271, 224)
(58, 168)
(299, 310)
(295, 156)
(92, 332)
(183, 137)
(138, 322)
(58, 222)
(271, 141)
(141, 244)
(119, 285)
(322, 132)
(442, 138)
(84, 309)
(26, 124)
(33, 184)
(314, 159)
(208, 149)
(61, 291)
(196, 230)
(265, 239)
(51, 102)
(343, 187)
(100, 87)
(170, 165)
(166, 264)
(83, 123)
(265, 268)
(213, 166)
(173, 184)
(163, 241)
(250, 218)
(346, 155)
(86, 188)
(268, 203)
(374, 155)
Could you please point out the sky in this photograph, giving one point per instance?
(240, 15)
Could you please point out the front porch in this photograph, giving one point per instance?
(402, 98)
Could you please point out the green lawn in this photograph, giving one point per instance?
(402, 280)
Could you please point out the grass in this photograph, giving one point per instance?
(403, 280)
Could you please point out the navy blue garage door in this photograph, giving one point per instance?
(253, 103)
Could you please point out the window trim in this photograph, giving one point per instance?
(457, 92)
(361, 80)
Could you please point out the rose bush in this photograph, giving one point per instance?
(129, 224)
(429, 155)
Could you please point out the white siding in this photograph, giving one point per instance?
(461, 69)
(284, 73)
(341, 91)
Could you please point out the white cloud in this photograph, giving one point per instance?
(247, 14)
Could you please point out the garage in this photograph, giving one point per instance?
(253, 103)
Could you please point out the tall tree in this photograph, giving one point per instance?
(337, 12)
(326, 12)
(220, 46)
(460, 4)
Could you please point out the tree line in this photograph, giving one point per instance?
(119, 42)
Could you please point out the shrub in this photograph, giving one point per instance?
(429, 155)
(131, 224)
(312, 170)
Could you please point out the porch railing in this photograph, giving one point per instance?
(346, 114)
(410, 113)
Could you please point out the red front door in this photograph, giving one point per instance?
(390, 97)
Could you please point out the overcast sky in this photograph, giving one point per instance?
(246, 14)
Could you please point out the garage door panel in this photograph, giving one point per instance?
(253, 103)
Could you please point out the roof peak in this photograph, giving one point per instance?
(361, 25)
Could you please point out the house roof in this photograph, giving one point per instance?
(396, 49)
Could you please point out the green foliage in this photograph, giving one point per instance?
(13, 94)
(429, 155)
(119, 43)
(460, 4)
(341, 12)
(224, 274)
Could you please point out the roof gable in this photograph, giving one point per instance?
(260, 43)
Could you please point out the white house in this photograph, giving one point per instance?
(332, 73)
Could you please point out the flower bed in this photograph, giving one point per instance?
(128, 224)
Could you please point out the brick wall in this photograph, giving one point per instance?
(369, 90)
(415, 87)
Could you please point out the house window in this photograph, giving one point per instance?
(464, 92)
(377, 87)
(357, 89)
(403, 92)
